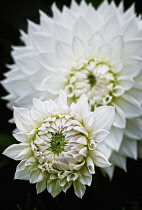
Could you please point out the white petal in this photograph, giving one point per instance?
(103, 118)
(90, 165)
(118, 90)
(134, 128)
(104, 52)
(115, 138)
(39, 106)
(133, 47)
(22, 174)
(78, 47)
(116, 44)
(99, 159)
(132, 66)
(79, 188)
(41, 186)
(14, 150)
(21, 136)
(54, 188)
(118, 160)
(82, 29)
(63, 52)
(129, 148)
(109, 171)
(120, 120)
(96, 40)
(126, 82)
(23, 119)
(129, 105)
(99, 135)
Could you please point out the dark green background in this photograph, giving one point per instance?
(124, 192)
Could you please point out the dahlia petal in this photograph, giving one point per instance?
(42, 42)
(109, 171)
(63, 52)
(129, 105)
(32, 27)
(128, 148)
(105, 149)
(115, 138)
(79, 188)
(21, 136)
(99, 159)
(96, 40)
(20, 116)
(21, 165)
(24, 37)
(14, 150)
(120, 120)
(54, 188)
(104, 51)
(78, 46)
(130, 32)
(133, 66)
(37, 176)
(132, 47)
(25, 153)
(40, 186)
(103, 118)
(36, 116)
(134, 128)
(34, 176)
(56, 12)
(118, 90)
(48, 61)
(10, 86)
(90, 165)
(22, 174)
(27, 62)
(86, 180)
(82, 104)
(111, 27)
(99, 135)
(126, 82)
(136, 93)
(118, 160)
(39, 106)
(116, 45)
(82, 29)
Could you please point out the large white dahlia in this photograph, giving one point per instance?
(85, 50)
(58, 143)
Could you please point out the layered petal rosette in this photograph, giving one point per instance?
(85, 50)
(58, 143)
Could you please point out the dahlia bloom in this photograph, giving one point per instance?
(85, 50)
(58, 143)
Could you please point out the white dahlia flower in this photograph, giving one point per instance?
(85, 50)
(58, 143)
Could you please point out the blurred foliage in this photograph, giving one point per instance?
(124, 192)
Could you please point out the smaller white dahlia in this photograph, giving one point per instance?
(58, 143)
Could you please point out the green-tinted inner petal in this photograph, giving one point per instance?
(58, 143)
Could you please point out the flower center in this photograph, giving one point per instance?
(55, 145)
(58, 143)
(94, 78)
(91, 79)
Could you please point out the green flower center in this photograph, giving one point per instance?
(58, 143)
(92, 80)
